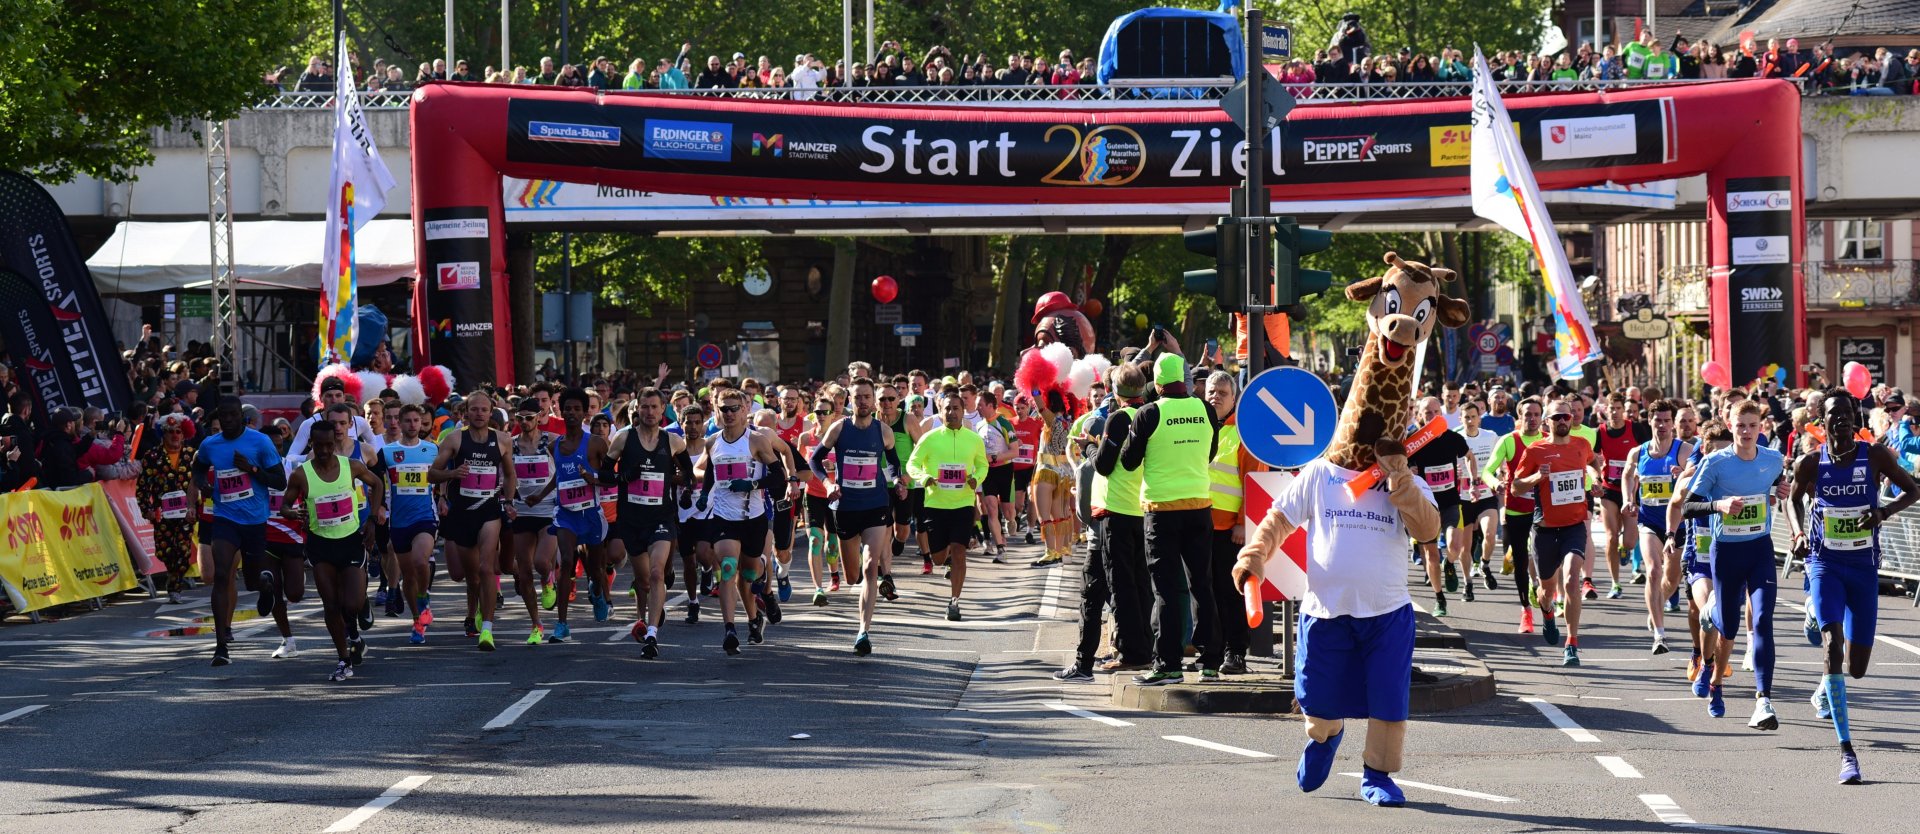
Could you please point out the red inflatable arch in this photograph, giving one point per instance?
(1744, 135)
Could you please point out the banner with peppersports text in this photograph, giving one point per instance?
(61, 547)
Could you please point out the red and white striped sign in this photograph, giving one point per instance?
(1286, 577)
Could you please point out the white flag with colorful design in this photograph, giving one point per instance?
(359, 192)
(1505, 192)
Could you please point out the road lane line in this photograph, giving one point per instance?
(22, 697)
(1089, 715)
(1898, 643)
(1444, 789)
(388, 797)
(1048, 608)
(21, 711)
(1223, 748)
(1670, 699)
(469, 683)
(1561, 720)
(1618, 767)
(1666, 809)
(513, 713)
(119, 692)
(589, 683)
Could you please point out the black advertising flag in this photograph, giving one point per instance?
(37, 244)
(458, 290)
(33, 338)
(1762, 306)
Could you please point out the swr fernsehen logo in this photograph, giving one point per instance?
(578, 134)
(702, 141)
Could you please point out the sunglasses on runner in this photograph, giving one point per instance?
(1562, 417)
(729, 409)
(889, 399)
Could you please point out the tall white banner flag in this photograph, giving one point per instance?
(358, 193)
(1504, 191)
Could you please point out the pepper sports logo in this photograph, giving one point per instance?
(775, 145)
(1342, 150)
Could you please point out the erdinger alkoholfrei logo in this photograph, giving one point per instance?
(695, 141)
(775, 145)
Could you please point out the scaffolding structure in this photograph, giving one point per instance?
(226, 306)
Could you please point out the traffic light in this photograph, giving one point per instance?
(1226, 281)
(1291, 242)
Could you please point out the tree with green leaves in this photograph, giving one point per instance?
(83, 83)
(1425, 27)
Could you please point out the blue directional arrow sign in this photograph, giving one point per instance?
(1286, 417)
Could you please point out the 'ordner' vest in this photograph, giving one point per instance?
(1175, 466)
(1120, 492)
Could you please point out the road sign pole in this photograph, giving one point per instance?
(1253, 123)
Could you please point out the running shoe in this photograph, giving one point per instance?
(486, 640)
(365, 618)
(693, 611)
(1116, 665)
(396, 606)
(1440, 608)
(1822, 706)
(756, 634)
(269, 589)
(539, 635)
(1638, 578)
(549, 596)
(1571, 657)
(1469, 596)
(1703, 687)
(1672, 606)
(418, 635)
(1073, 674)
(1487, 576)
(707, 586)
(1812, 626)
(1716, 702)
(380, 597)
(562, 631)
(602, 609)
(996, 555)
(1849, 768)
(1550, 632)
(820, 597)
(1052, 558)
(341, 672)
(426, 616)
(221, 657)
(473, 625)
(287, 651)
(1209, 675)
(1586, 587)
(1235, 664)
(926, 566)
(786, 588)
(1029, 533)
(887, 589)
(1763, 717)
(1560, 607)
(1659, 646)
(732, 643)
(1746, 664)
(1526, 621)
(1694, 667)
(834, 584)
(1616, 593)
(650, 647)
(1452, 579)
(771, 607)
(953, 610)
(1157, 678)
(356, 651)
(862, 646)
(667, 580)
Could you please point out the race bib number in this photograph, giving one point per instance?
(334, 510)
(649, 491)
(233, 485)
(1614, 468)
(575, 495)
(1703, 548)
(1752, 519)
(731, 468)
(410, 479)
(1024, 456)
(861, 470)
(173, 505)
(1841, 529)
(276, 499)
(1655, 490)
(482, 481)
(951, 476)
(1440, 478)
(1565, 488)
(533, 471)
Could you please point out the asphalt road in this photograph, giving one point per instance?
(947, 726)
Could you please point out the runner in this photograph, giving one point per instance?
(237, 462)
(1739, 483)
(531, 548)
(1842, 551)
(1438, 463)
(287, 551)
(1474, 539)
(415, 518)
(693, 539)
(1648, 476)
(1693, 544)
(788, 426)
(950, 462)
(1518, 505)
(648, 466)
(1618, 439)
(998, 487)
(333, 391)
(1026, 440)
(739, 467)
(578, 460)
(474, 460)
(860, 495)
(907, 428)
(338, 540)
(823, 551)
(1555, 471)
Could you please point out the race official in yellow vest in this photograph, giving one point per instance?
(1226, 476)
(1119, 569)
(1171, 442)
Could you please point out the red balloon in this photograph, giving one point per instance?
(1092, 308)
(885, 290)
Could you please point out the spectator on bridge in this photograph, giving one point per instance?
(601, 76)
(1451, 68)
(462, 72)
(636, 76)
(1891, 79)
(1350, 47)
(1421, 70)
(715, 76)
(1661, 64)
(548, 74)
(910, 74)
(1741, 64)
(394, 82)
(1563, 70)
(1713, 64)
(1821, 71)
(674, 76)
(808, 75)
(570, 77)
(1687, 55)
(318, 78)
(439, 69)
(520, 75)
(425, 76)
(1607, 67)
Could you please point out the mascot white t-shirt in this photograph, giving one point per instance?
(1357, 550)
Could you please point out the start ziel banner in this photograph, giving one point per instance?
(839, 145)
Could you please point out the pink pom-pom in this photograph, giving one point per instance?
(437, 382)
(346, 377)
(1037, 372)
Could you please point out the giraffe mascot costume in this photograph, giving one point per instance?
(1355, 655)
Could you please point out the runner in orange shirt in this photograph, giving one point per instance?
(1556, 471)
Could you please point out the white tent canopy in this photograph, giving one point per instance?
(267, 254)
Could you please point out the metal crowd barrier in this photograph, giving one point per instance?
(1899, 549)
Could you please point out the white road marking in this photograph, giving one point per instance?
(1049, 609)
(1618, 767)
(470, 683)
(1561, 720)
(1672, 699)
(1666, 809)
(22, 697)
(119, 692)
(590, 683)
(1223, 748)
(1898, 644)
(513, 713)
(1091, 715)
(388, 797)
(21, 711)
(1444, 789)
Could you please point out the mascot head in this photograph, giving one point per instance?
(1405, 305)
(1057, 321)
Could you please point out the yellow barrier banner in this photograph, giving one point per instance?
(62, 547)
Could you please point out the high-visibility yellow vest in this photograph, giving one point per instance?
(1120, 492)
(1175, 467)
(1223, 473)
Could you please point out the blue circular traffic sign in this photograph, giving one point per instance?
(1286, 417)
(709, 356)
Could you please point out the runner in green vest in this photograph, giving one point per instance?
(949, 463)
(337, 541)
(1171, 441)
